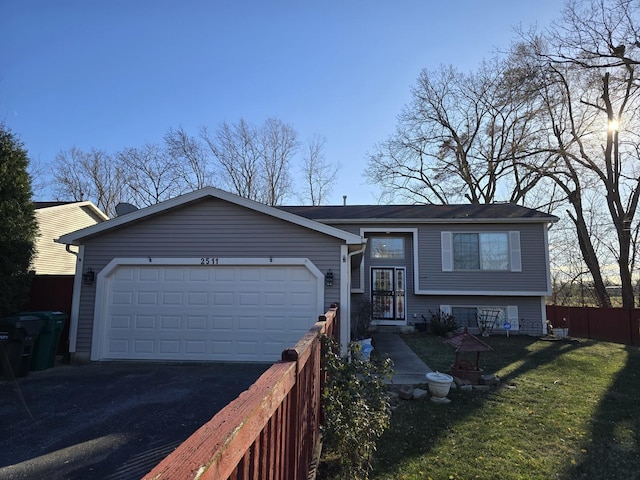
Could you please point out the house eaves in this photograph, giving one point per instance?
(422, 214)
(77, 237)
(55, 206)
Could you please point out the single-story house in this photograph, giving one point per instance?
(210, 276)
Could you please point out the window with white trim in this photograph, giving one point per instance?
(471, 316)
(490, 251)
(387, 247)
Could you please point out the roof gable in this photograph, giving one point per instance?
(77, 237)
(59, 208)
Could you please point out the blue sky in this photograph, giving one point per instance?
(111, 74)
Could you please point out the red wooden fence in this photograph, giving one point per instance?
(52, 293)
(619, 325)
(268, 432)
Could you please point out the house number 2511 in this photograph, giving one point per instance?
(208, 261)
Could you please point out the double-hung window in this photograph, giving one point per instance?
(491, 251)
(480, 251)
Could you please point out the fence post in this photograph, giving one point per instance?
(293, 462)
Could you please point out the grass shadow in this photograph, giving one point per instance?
(516, 432)
(613, 449)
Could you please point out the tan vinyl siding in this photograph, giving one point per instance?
(207, 228)
(52, 258)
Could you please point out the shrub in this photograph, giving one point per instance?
(361, 316)
(356, 408)
(442, 323)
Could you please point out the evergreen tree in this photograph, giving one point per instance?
(18, 226)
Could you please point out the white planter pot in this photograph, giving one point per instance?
(560, 332)
(439, 384)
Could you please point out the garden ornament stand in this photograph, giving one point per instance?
(463, 368)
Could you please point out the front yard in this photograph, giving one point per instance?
(566, 409)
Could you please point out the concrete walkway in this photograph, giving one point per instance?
(410, 369)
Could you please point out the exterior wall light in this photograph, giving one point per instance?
(88, 277)
(328, 279)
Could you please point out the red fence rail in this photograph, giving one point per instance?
(619, 325)
(270, 431)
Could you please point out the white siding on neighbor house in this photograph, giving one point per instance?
(52, 258)
(207, 228)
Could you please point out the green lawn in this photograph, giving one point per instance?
(566, 409)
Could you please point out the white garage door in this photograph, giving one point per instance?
(221, 313)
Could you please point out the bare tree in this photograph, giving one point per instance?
(152, 175)
(461, 138)
(317, 172)
(278, 144)
(91, 176)
(191, 158)
(590, 92)
(254, 162)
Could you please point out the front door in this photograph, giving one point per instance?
(388, 294)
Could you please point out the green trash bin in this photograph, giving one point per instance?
(46, 345)
(17, 337)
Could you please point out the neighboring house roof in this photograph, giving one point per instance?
(76, 238)
(56, 219)
(472, 213)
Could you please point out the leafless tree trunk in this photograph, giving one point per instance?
(278, 144)
(318, 174)
(255, 162)
(152, 175)
(591, 94)
(462, 138)
(91, 176)
(191, 158)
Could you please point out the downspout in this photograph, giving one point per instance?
(345, 318)
(75, 299)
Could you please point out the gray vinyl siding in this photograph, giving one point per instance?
(532, 278)
(530, 313)
(207, 228)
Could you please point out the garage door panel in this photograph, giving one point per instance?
(122, 298)
(198, 275)
(147, 298)
(223, 299)
(149, 274)
(196, 323)
(227, 313)
(145, 322)
(172, 298)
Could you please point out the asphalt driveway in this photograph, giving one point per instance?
(109, 420)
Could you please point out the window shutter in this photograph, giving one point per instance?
(512, 317)
(445, 309)
(514, 246)
(446, 240)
